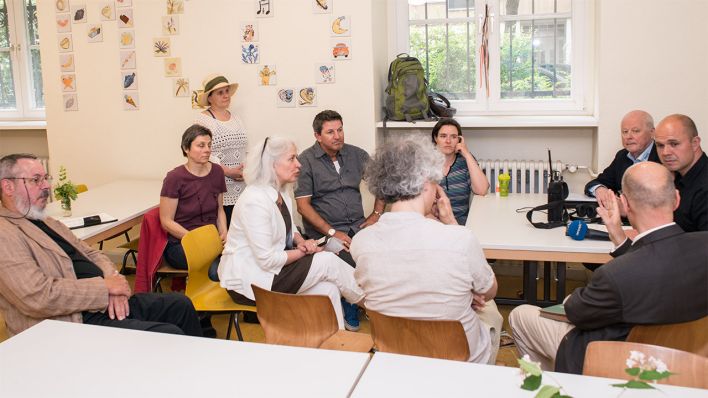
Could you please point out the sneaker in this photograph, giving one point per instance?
(351, 316)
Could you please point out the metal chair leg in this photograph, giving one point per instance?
(231, 322)
(238, 329)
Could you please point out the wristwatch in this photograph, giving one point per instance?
(331, 232)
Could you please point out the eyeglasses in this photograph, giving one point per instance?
(265, 143)
(36, 180)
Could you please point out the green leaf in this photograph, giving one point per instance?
(529, 367)
(651, 375)
(548, 392)
(634, 384)
(531, 383)
(633, 371)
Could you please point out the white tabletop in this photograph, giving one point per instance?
(502, 232)
(390, 375)
(61, 359)
(125, 200)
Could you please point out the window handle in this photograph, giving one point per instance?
(18, 47)
(12, 47)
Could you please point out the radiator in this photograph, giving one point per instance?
(527, 176)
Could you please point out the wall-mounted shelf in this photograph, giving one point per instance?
(504, 121)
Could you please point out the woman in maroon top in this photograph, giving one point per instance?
(192, 195)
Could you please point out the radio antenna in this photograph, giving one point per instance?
(550, 165)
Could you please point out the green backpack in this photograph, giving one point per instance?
(407, 91)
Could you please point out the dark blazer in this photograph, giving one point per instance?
(662, 278)
(611, 177)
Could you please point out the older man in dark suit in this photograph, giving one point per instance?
(648, 284)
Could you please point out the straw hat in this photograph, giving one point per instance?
(211, 83)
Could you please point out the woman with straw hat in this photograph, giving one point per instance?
(229, 139)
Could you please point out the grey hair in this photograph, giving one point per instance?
(8, 164)
(400, 168)
(656, 192)
(261, 158)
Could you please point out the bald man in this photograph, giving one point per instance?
(637, 128)
(646, 285)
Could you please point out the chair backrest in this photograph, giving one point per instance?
(201, 246)
(81, 188)
(608, 359)
(424, 338)
(687, 336)
(295, 320)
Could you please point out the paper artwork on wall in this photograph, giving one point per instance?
(66, 62)
(322, 6)
(175, 6)
(170, 25)
(249, 31)
(267, 75)
(131, 101)
(127, 59)
(124, 3)
(341, 25)
(173, 67)
(127, 39)
(161, 47)
(307, 96)
(324, 73)
(68, 82)
(250, 53)
(125, 18)
(129, 80)
(341, 48)
(286, 98)
(63, 23)
(70, 102)
(65, 43)
(264, 8)
(107, 11)
(95, 33)
(195, 95)
(180, 87)
(61, 5)
(78, 13)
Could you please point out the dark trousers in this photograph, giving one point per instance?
(228, 210)
(174, 254)
(163, 313)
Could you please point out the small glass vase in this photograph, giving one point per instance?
(66, 207)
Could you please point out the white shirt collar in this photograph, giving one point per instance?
(647, 232)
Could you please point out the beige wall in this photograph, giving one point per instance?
(25, 141)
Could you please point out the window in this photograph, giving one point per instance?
(536, 53)
(21, 93)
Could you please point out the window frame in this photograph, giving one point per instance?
(20, 59)
(581, 100)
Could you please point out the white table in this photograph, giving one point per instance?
(505, 234)
(126, 200)
(390, 375)
(61, 359)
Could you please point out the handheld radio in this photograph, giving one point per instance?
(557, 191)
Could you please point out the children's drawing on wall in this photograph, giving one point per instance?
(173, 67)
(175, 6)
(250, 53)
(68, 82)
(267, 76)
(170, 25)
(127, 60)
(322, 6)
(286, 98)
(131, 101)
(70, 102)
(341, 49)
(342, 25)
(324, 73)
(307, 96)
(78, 13)
(61, 5)
(125, 18)
(130, 80)
(107, 11)
(181, 87)
(63, 23)
(124, 3)
(127, 39)
(264, 8)
(249, 31)
(66, 62)
(161, 47)
(65, 43)
(195, 97)
(95, 33)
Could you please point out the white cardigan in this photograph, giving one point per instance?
(254, 251)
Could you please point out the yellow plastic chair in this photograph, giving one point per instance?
(201, 247)
(81, 188)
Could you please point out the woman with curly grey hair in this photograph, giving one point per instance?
(416, 262)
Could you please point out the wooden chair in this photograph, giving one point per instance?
(607, 359)
(687, 336)
(201, 247)
(167, 271)
(305, 321)
(424, 338)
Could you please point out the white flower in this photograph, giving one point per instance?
(631, 363)
(637, 356)
(526, 358)
(658, 364)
